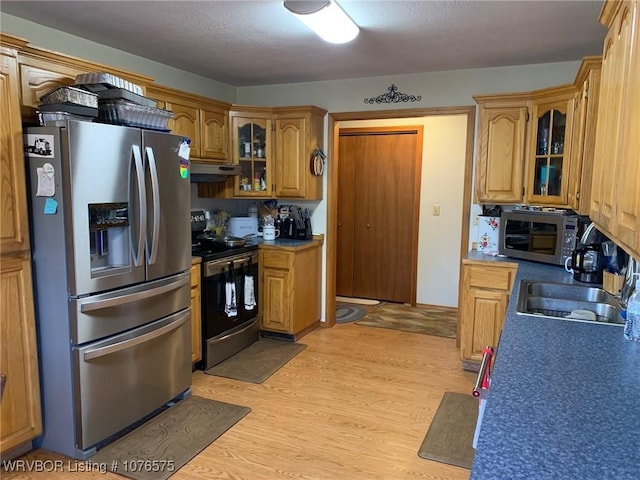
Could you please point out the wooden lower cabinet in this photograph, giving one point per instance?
(484, 296)
(196, 315)
(20, 413)
(290, 288)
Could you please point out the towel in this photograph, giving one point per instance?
(249, 297)
(230, 307)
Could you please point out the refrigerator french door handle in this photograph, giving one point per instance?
(134, 297)
(139, 167)
(118, 347)
(152, 255)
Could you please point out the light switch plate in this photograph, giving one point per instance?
(436, 210)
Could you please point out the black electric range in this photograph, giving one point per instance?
(213, 254)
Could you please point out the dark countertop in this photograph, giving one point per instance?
(288, 244)
(564, 401)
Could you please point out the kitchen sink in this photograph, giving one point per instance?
(583, 303)
(568, 292)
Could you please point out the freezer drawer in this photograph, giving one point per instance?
(99, 316)
(120, 380)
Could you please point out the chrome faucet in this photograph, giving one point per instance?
(629, 281)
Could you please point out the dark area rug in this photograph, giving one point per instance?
(258, 361)
(160, 447)
(425, 319)
(450, 436)
(349, 313)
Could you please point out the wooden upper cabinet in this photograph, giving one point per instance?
(298, 131)
(615, 198)
(549, 149)
(203, 120)
(14, 228)
(215, 133)
(274, 146)
(185, 122)
(252, 147)
(501, 148)
(627, 192)
(584, 134)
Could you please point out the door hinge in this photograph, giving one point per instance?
(577, 195)
(522, 192)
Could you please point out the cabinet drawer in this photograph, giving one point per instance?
(491, 277)
(277, 260)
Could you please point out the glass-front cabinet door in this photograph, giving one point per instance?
(251, 144)
(548, 175)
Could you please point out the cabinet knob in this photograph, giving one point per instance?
(339, 224)
(368, 225)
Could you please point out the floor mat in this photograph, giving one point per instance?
(258, 361)
(349, 313)
(425, 319)
(160, 447)
(450, 435)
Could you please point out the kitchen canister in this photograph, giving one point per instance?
(488, 234)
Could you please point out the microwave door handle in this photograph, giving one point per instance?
(155, 199)
(138, 257)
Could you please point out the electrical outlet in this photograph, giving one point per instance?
(476, 219)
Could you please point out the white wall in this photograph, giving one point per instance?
(57, 41)
(442, 183)
(452, 88)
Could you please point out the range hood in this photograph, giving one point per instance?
(203, 173)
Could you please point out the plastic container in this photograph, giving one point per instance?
(119, 112)
(632, 324)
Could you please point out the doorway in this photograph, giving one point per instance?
(335, 120)
(378, 204)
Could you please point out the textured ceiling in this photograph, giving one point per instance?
(245, 43)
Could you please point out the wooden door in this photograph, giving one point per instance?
(378, 204)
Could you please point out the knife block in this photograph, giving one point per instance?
(612, 282)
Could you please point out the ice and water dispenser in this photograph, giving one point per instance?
(109, 237)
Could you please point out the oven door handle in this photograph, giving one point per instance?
(118, 347)
(134, 297)
(251, 324)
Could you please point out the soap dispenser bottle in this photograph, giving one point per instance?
(632, 325)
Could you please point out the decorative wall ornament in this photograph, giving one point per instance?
(393, 96)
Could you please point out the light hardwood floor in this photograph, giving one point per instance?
(355, 404)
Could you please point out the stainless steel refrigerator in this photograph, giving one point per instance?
(111, 244)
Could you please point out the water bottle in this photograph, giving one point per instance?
(632, 325)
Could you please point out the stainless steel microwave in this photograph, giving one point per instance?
(547, 237)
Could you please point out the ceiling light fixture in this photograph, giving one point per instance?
(325, 18)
